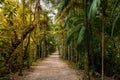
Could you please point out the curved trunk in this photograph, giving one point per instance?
(22, 40)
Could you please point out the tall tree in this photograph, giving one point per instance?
(86, 74)
(22, 40)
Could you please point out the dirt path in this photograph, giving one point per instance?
(52, 68)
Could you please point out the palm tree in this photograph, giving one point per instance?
(86, 77)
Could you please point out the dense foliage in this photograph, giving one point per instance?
(25, 35)
(103, 31)
(86, 33)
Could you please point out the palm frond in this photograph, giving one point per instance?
(64, 7)
(114, 7)
(81, 35)
(70, 36)
(93, 9)
(113, 27)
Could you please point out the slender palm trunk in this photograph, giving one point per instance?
(71, 51)
(45, 40)
(102, 47)
(59, 49)
(86, 75)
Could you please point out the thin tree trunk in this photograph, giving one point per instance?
(71, 46)
(68, 52)
(29, 55)
(91, 45)
(86, 67)
(42, 50)
(46, 52)
(59, 49)
(102, 47)
(62, 51)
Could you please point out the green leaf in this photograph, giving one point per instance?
(93, 9)
(115, 6)
(81, 35)
(64, 4)
(70, 36)
(116, 19)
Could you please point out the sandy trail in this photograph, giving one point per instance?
(52, 68)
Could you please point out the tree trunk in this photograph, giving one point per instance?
(102, 47)
(59, 49)
(68, 52)
(71, 51)
(22, 40)
(29, 55)
(40, 49)
(46, 52)
(28, 52)
(86, 74)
